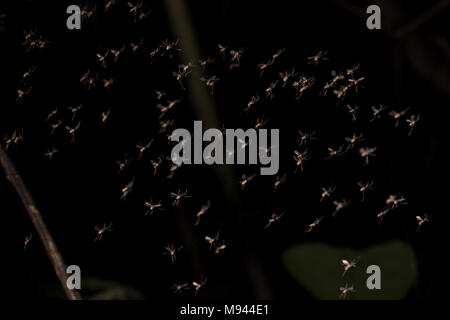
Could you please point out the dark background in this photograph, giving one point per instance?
(80, 187)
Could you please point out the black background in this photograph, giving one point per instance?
(80, 187)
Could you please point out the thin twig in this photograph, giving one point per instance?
(421, 19)
(50, 247)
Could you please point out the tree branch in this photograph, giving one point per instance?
(421, 19)
(50, 247)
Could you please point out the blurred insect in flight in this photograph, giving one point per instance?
(15, 138)
(264, 66)
(353, 111)
(50, 153)
(201, 212)
(51, 114)
(159, 94)
(326, 87)
(89, 81)
(223, 50)
(21, 93)
(336, 77)
(55, 126)
(376, 112)
(279, 180)
(172, 250)
(334, 153)
(244, 143)
(143, 147)
(347, 264)
(116, 52)
(199, 285)
(353, 140)
(102, 58)
(394, 200)
(74, 110)
(170, 104)
(212, 241)
(220, 248)
(365, 153)
(355, 82)
(252, 102)
(381, 214)
(339, 205)
(301, 85)
(364, 187)
(143, 14)
(123, 164)
(286, 75)
(152, 206)
(412, 121)
(350, 72)
(260, 122)
(127, 189)
(27, 74)
(27, 240)
(107, 83)
(204, 63)
(72, 131)
(101, 231)
(345, 290)
(178, 288)
(183, 71)
(178, 197)
(313, 225)
(277, 54)
(246, 180)
(105, 115)
(326, 192)
(397, 115)
(210, 82)
(305, 137)
(341, 92)
(134, 8)
(109, 4)
(154, 52)
(332, 83)
(300, 158)
(156, 164)
(169, 47)
(421, 221)
(273, 218)
(136, 46)
(235, 61)
(321, 55)
(87, 12)
(173, 168)
(270, 88)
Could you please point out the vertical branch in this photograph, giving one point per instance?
(205, 108)
(50, 247)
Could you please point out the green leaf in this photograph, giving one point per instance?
(317, 268)
(103, 289)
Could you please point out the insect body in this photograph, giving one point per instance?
(102, 230)
(172, 250)
(152, 206)
(345, 290)
(347, 264)
(178, 197)
(314, 224)
(202, 211)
